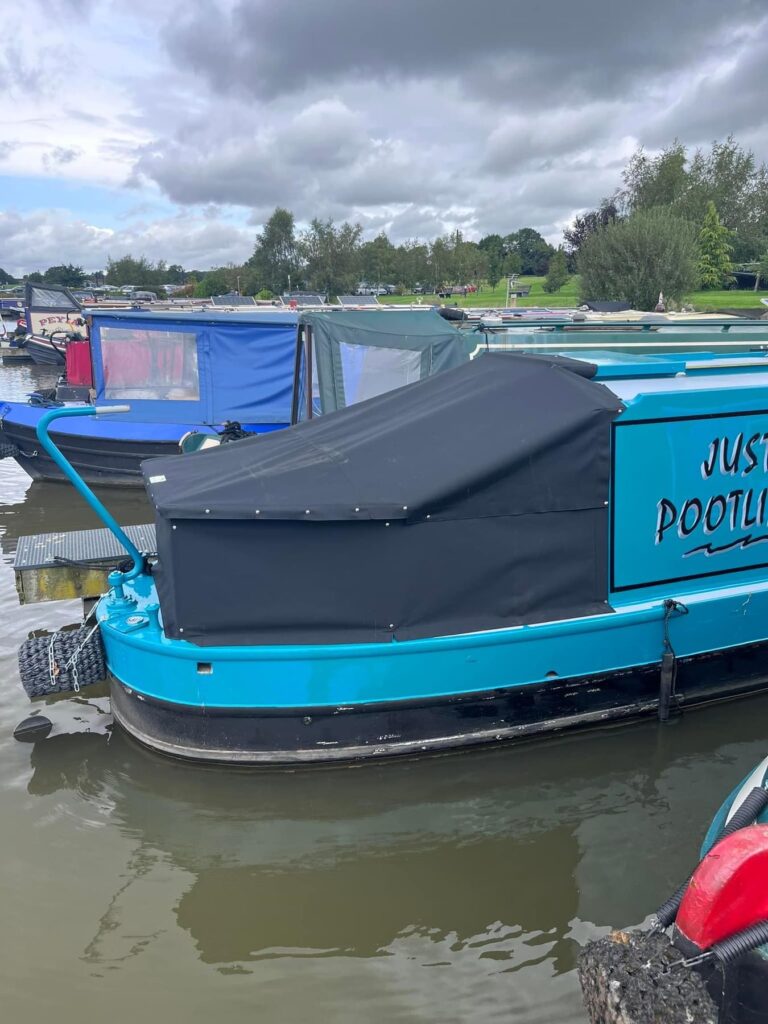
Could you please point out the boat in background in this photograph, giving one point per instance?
(196, 378)
(212, 372)
(52, 316)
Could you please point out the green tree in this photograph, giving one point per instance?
(513, 264)
(65, 274)
(576, 234)
(634, 259)
(412, 264)
(441, 262)
(727, 175)
(275, 257)
(139, 272)
(714, 266)
(662, 180)
(175, 274)
(557, 275)
(534, 251)
(493, 247)
(5, 277)
(215, 282)
(472, 263)
(330, 255)
(34, 278)
(378, 261)
(762, 272)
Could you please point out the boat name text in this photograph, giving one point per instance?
(737, 509)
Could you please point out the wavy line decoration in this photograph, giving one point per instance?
(742, 542)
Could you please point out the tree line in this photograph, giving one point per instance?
(329, 258)
(678, 221)
(333, 259)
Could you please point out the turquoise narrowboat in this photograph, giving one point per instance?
(520, 544)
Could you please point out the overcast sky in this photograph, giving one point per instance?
(172, 130)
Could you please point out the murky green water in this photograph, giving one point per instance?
(450, 889)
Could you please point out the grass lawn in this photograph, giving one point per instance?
(569, 296)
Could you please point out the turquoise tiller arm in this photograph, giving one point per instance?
(79, 484)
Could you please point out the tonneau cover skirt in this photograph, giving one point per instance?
(472, 500)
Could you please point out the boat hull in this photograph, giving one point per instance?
(45, 352)
(106, 461)
(353, 732)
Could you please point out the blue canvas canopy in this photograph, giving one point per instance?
(203, 368)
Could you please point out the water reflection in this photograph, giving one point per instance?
(48, 507)
(493, 854)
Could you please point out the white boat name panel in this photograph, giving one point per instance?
(690, 498)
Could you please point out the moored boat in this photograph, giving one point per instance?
(206, 376)
(518, 545)
(52, 316)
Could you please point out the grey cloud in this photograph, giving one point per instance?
(727, 100)
(520, 140)
(242, 173)
(447, 114)
(59, 156)
(320, 159)
(265, 49)
(326, 134)
(412, 117)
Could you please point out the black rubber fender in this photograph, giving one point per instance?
(44, 662)
(8, 450)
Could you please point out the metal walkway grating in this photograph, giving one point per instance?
(51, 550)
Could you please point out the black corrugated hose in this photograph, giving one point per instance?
(753, 805)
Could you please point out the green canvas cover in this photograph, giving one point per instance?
(363, 353)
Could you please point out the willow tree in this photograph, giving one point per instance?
(634, 259)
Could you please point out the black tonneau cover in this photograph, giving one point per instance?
(471, 500)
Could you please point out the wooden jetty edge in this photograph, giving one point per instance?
(61, 566)
(638, 978)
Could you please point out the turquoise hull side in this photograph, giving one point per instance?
(297, 676)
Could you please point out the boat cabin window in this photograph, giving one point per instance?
(50, 298)
(344, 373)
(369, 371)
(153, 365)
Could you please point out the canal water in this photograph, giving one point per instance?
(450, 889)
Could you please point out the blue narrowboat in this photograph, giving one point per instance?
(516, 545)
(180, 371)
(206, 376)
